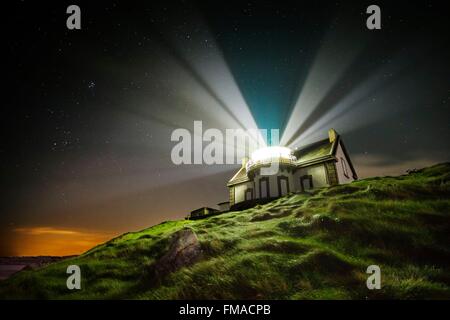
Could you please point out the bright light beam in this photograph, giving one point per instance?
(391, 81)
(339, 49)
(203, 56)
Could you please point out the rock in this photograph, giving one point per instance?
(184, 250)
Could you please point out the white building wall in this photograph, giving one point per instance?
(273, 186)
(318, 173)
(273, 183)
(239, 191)
(272, 180)
(290, 174)
(340, 157)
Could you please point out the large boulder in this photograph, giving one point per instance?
(184, 250)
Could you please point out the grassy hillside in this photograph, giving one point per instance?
(302, 246)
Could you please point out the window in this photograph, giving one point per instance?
(306, 182)
(283, 186)
(344, 167)
(264, 188)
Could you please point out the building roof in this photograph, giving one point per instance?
(320, 151)
(315, 151)
(239, 177)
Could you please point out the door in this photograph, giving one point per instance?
(264, 188)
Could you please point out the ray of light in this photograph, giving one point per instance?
(391, 83)
(339, 49)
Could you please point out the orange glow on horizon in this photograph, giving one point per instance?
(50, 241)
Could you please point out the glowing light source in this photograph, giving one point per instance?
(267, 155)
(271, 153)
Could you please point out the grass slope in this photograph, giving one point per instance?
(302, 246)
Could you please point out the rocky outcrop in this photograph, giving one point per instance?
(184, 250)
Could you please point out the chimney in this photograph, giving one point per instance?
(244, 161)
(332, 135)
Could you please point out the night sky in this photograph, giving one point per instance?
(89, 113)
